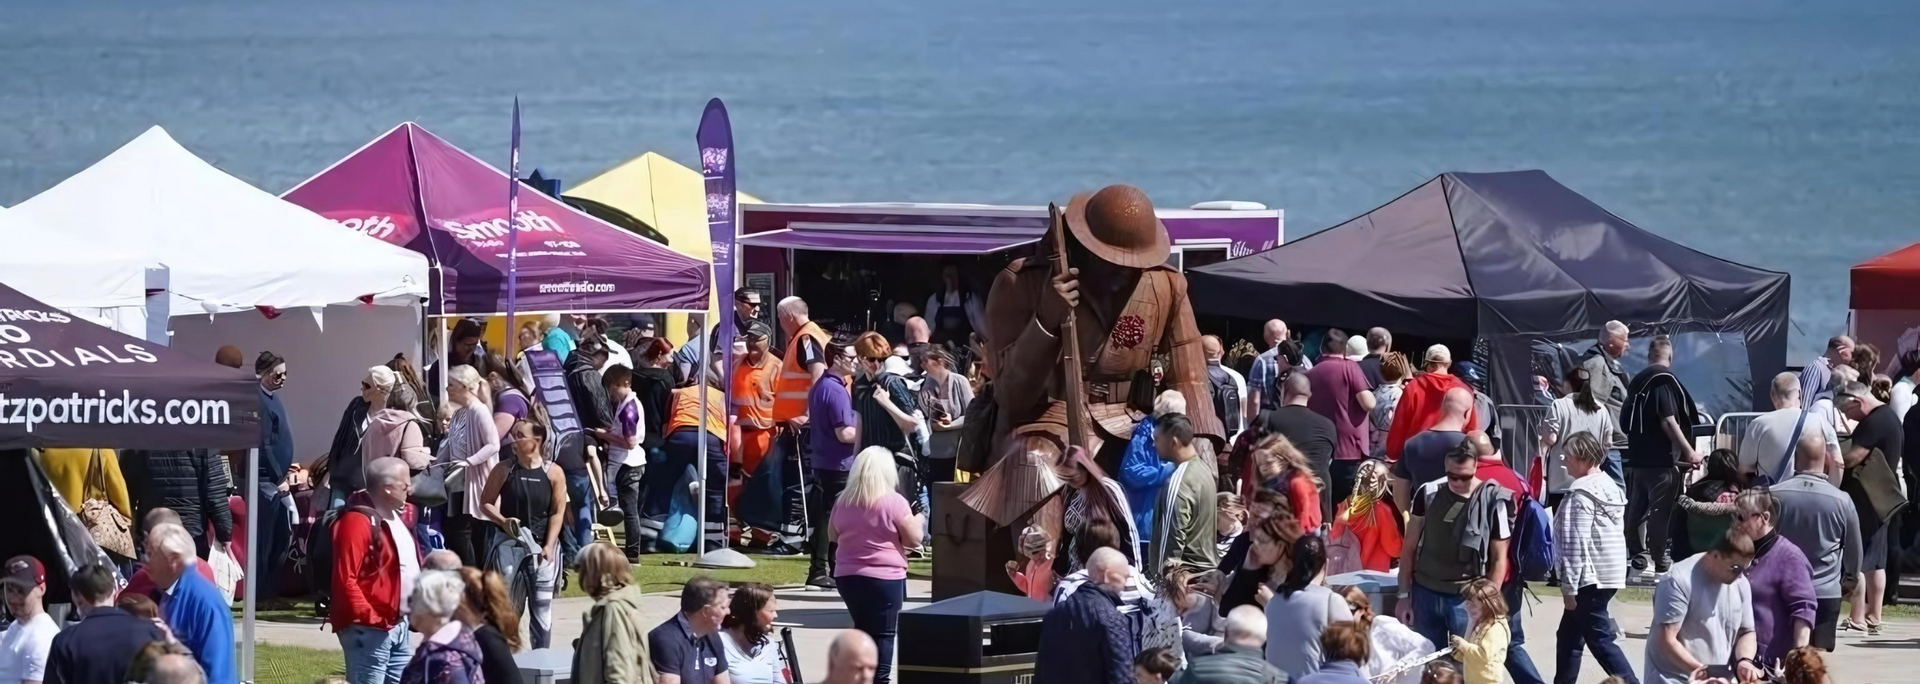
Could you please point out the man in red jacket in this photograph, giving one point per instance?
(373, 571)
(1420, 402)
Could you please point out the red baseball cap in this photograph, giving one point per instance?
(24, 572)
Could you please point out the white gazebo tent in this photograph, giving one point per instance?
(230, 248)
(101, 284)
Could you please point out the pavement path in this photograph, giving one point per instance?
(816, 616)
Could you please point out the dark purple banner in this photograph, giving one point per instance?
(716, 163)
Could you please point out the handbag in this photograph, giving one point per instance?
(1875, 491)
(973, 452)
(430, 486)
(110, 530)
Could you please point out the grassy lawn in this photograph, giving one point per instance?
(295, 665)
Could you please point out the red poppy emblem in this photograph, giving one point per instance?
(1130, 331)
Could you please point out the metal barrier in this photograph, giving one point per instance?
(1731, 429)
(1519, 427)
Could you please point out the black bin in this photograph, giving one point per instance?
(980, 638)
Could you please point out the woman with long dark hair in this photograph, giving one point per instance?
(512, 401)
(1580, 412)
(1708, 504)
(753, 657)
(1093, 496)
(1301, 608)
(1252, 582)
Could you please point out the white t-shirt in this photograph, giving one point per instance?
(744, 668)
(403, 547)
(1711, 617)
(23, 650)
(1763, 449)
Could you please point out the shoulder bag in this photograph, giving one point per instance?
(111, 530)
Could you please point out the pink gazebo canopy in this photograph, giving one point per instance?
(409, 179)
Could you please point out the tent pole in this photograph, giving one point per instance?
(700, 395)
(253, 562)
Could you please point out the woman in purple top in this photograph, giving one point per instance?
(510, 403)
(1781, 577)
(873, 527)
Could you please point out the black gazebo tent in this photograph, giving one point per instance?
(1516, 260)
(66, 382)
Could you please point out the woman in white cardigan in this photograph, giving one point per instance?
(473, 443)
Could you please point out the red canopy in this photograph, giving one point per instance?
(1888, 281)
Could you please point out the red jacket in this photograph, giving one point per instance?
(1419, 409)
(1493, 469)
(366, 569)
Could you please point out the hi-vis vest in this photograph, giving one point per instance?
(790, 394)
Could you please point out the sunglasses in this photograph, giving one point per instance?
(1455, 477)
(1737, 569)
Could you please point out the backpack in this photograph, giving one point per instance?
(1226, 398)
(319, 552)
(1531, 552)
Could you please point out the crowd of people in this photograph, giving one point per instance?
(1188, 562)
(1360, 460)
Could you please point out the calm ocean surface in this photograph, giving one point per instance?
(1782, 134)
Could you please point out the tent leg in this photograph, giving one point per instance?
(253, 563)
(723, 557)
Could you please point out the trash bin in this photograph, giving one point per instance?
(545, 665)
(980, 638)
(1381, 588)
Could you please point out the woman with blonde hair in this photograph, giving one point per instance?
(1283, 467)
(873, 526)
(613, 643)
(1366, 531)
(485, 609)
(473, 444)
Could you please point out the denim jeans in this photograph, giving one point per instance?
(1437, 615)
(875, 607)
(579, 516)
(376, 656)
(1612, 468)
(1519, 665)
(1589, 625)
(627, 484)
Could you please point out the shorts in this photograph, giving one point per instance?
(1826, 623)
(1875, 555)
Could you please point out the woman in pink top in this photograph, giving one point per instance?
(873, 527)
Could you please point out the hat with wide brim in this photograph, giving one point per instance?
(1117, 224)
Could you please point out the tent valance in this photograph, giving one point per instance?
(414, 189)
(1888, 281)
(65, 382)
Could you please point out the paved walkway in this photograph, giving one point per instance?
(815, 617)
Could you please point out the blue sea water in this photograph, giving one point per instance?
(1782, 134)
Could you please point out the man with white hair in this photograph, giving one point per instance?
(852, 658)
(199, 616)
(1242, 660)
(441, 559)
(174, 668)
(375, 565)
(1422, 400)
(1263, 389)
(1084, 639)
(1609, 382)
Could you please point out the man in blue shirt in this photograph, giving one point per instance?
(834, 439)
(686, 648)
(200, 617)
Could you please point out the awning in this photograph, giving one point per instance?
(891, 242)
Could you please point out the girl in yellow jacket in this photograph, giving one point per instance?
(1483, 654)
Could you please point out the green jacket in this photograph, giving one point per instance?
(613, 645)
(1185, 530)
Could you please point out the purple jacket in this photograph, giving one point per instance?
(1782, 581)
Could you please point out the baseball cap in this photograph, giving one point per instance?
(24, 572)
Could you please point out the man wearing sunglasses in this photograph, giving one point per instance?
(1703, 617)
(833, 441)
(1458, 532)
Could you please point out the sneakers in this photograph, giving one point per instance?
(822, 583)
(780, 548)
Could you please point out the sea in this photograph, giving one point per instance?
(1782, 134)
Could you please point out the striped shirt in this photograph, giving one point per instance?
(1589, 534)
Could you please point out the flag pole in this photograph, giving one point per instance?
(513, 232)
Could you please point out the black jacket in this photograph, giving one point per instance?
(1232, 665)
(343, 458)
(99, 649)
(496, 657)
(1085, 640)
(654, 388)
(193, 483)
(588, 392)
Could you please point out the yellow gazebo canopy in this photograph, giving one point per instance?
(670, 197)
